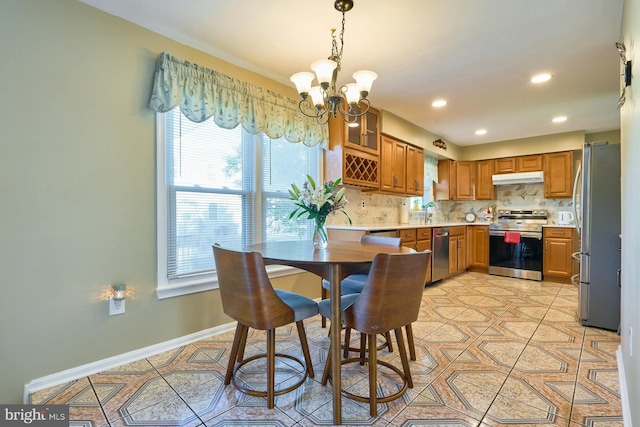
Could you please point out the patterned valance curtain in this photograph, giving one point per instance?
(202, 93)
(430, 170)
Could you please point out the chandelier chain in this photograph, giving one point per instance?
(336, 55)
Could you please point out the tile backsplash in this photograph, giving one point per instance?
(379, 209)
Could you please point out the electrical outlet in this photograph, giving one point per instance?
(363, 205)
(116, 307)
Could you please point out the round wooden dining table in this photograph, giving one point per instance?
(338, 260)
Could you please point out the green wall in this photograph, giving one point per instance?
(77, 179)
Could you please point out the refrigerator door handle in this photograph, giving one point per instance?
(618, 280)
(575, 199)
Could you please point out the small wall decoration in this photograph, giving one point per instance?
(440, 144)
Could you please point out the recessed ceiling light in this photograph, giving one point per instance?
(439, 103)
(540, 78)
(559, 119)
(481, 132)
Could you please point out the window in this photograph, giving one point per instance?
(223, 186)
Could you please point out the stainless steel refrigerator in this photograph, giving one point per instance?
(597, 204)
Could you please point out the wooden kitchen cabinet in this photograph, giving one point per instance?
(408, 237)
(531, 163)
(558, 174)
(478, 242)
(393, 157)
(504, 165)
(456, 180)
(457, 249)
(354, 152)
(423, 236)
(415, 171)
(364, 137)
(557, 263)
(485, 190)
(418, 239)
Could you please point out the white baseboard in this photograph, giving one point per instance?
(119, 360)
(624, 396)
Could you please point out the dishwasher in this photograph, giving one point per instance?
(440, 255)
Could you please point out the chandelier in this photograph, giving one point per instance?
(321, 102)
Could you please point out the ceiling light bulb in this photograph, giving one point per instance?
(481, 132)
(303, 81)
(364, 79)
(324, 70)
(540, 78)
(559, 119)
(439, 103)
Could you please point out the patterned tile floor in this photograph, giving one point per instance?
(492, 351)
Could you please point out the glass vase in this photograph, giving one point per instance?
(320, 236)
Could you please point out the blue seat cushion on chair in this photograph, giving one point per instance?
(303, 307)
(345, 301)
(353, 284)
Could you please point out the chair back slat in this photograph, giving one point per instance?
(246, 291)
(381, 240)
(392, 295)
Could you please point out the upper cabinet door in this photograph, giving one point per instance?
(485, 189)
(415, 170)
(366, 135)
(558, 174)
(529, 163)
(465, 180)
(393, 157)
(504, 165)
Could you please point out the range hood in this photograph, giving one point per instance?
(518, 178)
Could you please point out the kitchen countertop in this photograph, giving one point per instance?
(383, 227)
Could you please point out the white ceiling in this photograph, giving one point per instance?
(479, 55)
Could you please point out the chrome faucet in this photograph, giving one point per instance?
(428, 216)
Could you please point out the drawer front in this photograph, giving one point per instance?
(559, 232)
(408, 235)
(457, 231)
(424, 233)
(422, 245)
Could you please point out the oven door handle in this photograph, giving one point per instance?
(522, 234)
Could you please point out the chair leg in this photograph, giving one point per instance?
(324, 294)
(347, 341)
(327, 368)
(363, 347)
(373, 375)
(237, 338)
(243, 344)
(387, 336)
(403, 357)
(410, 343)
(271, 367)
(305, 348)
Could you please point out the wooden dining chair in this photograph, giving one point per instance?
(354, 283)
(249, 298)
(389, 301)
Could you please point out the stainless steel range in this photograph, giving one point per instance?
(515, 243)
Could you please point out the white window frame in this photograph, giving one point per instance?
(167, 288)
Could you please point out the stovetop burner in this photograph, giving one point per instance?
(530, 220)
